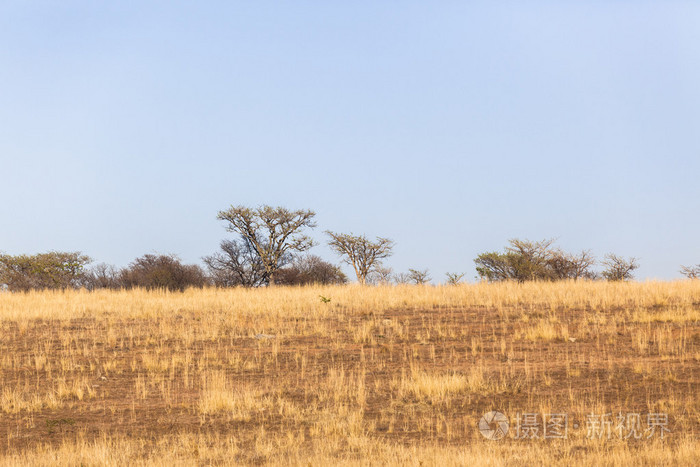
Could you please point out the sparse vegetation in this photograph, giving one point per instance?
(379, 375)
(525, 260)
(161, 272)
(618, 268)
(691, 272)
(380, 276)
(363, 254)
(418, 276)
(237, 264)
(454, 278)
(53, 270)
(310, 269)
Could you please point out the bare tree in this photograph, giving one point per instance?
(523, 260)
(310, 269)
(419, 277)
(581, 265)
(619, 268)
(364, 255)
(275, 233)
(380, 276)
(454, 278)
(236, 264)
(562, 265)
(102, 276)
(402, 278)
(691, 272)
(162, 272)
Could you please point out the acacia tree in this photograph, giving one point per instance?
(102, 276)
(52, 270)
(236, 264)
(363, 254)
(691, 272)
(402, 278)
(275, 233)
(619, 268)
(563, 265)
(530, 259)
(525, 260)
(162, 272)
(454, 278)
(380, 276)
(419, 277)
(310, 269)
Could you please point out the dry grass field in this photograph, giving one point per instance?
(587, 373)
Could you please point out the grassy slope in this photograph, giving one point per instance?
(379, 374)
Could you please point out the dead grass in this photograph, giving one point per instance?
(380, 375)
(237, 402)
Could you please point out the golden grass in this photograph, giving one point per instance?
(219, 395)
(377, 376)
(188, 449)
(667, 301)
(433, 387)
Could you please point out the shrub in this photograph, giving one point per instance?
(162, 272)
(419, 277)
(691, 272)
(310, 270)
(53, 270)
(526, 260)
(102, 276)
(236, 264)
(618, 268)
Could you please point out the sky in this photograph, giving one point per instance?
(447, 126)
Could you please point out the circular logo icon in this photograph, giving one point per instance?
(493, 425)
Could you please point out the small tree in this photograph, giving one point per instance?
(102, 276)
(529, 260)
(53, 270)
(564, 265)
(525, 260)
(419, 277)
(310, 269)
(619, 268)
(402, 278)
(364, 255)
(454, 278)
(691, 272)
(162, 272)
(274, 233)
(236, 264)
(380, 276)
(494, 266)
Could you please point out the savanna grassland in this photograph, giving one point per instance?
(351, 375)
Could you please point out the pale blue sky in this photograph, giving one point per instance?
(449, 127)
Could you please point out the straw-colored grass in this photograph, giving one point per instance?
(377, 376)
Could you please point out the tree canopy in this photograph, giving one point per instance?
(363, 254)
(274, 234)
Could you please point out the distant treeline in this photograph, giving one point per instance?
(269, 250)
(64, 270)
